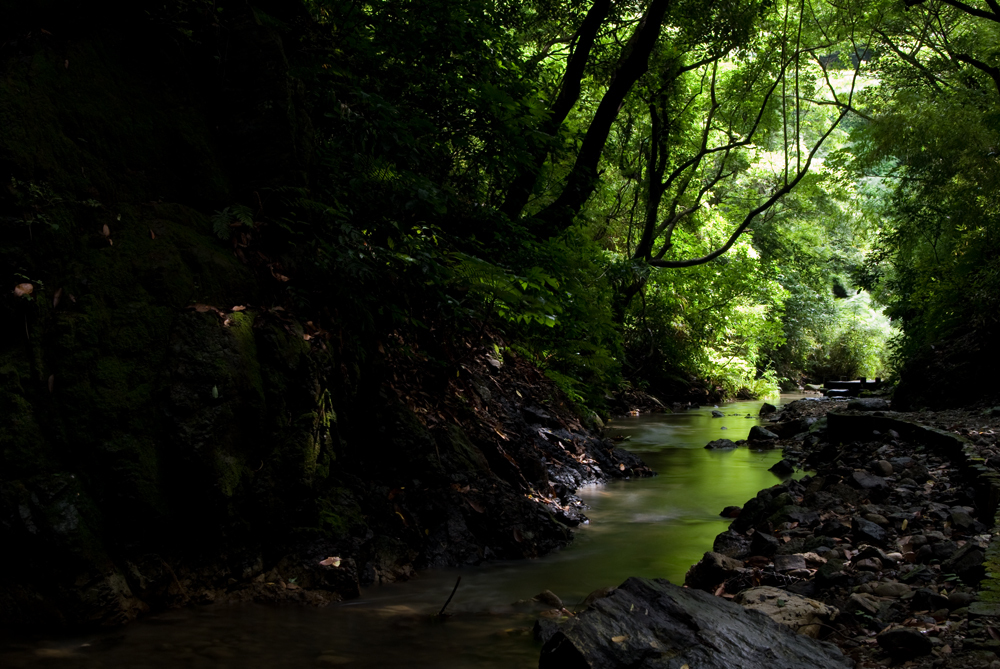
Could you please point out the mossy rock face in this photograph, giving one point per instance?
(132, 419)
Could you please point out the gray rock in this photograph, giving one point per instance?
(860, 602)
(868, 482)
(767, 409)
(868, 532)
(868, 404)
(711, 570)
(763, 544)
(883, 468)
(717, 414)
(732, 544)
(651, 624)
(549, 598)
(784, 563)
(957, 600)
(961, 519)
(760, 433)
(782, 468)
(967, 562)
(904, 643)
(719, 444)
(892, 589)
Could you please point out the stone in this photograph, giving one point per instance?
(803, 615)
(731, 512)
(866, 531)
(881, 521)
(549, 598)
(782, 468)
(711, 570)
(767, 409)
(925, 599)
(732, 544)
(764, 544)
(868, 404)
(720, 444)
(867, 482)
(758, 433)
(717, 414)
(904, 643)
(883, 468)
(967, 563)
(961, 519)
(783, 563)
(892, 589)
(957, 600)
(868, 564)
(655, 625)
(862, 603)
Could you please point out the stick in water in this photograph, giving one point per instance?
(441, 613)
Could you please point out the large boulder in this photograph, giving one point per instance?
(652, 624)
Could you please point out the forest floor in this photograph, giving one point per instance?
(886, 546)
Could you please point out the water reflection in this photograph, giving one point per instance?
(653, 527)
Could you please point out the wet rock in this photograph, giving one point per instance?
(883, 468)
(656, 625)
(731, 512)
(544, 629)
(767, 409)
(866, 531)
(720, 444)
(711, 570)
(758, 433)
(782, 468)
(800, 613)
(904, 643)
(717, 414)
(732, 544)
(548, 598)
(868, 404)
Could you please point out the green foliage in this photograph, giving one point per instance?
(224, 221)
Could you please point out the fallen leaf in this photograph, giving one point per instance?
(66, 63)
(52, 382)
(330, 562)
(23, 289)
(518, 537)
(620, 639)
(152, 235)
(106, 231)
(476, 507)
(622, 466)
(203, 308)
(238, 307)
(906, 521)
(55, 298)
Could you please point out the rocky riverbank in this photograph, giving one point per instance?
(885, 549)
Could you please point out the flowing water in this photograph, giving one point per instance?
(654, 527)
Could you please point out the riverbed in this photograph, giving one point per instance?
(654, 527)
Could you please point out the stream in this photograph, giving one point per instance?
(655, 527)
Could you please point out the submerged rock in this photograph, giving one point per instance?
(758, 432)
(654, 624)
